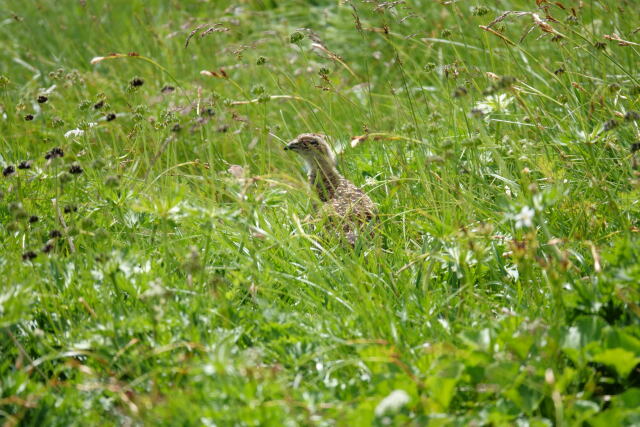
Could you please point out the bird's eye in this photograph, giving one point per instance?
(313, 142)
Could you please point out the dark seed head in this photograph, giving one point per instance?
(70, 208)
(98, 105)
(47, 248)
(571, 19)
(110, 117)
(75, 169)
(25, 164)
(137, 82)
(33, 219)
(459, 92)
(295, 37)
(42, 99)
(559, 71)
(53, 234)
(600, 45)
(29, 255)
(610, 124)
(635, 147)
(28, 117)
(8, 171)
(477, 112)
(632, 115)
(176, 128)
(167, 89)
(55, 152)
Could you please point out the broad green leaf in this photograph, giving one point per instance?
(442, 390)
(630, 399)
(617, 338)
(478, 339)
(621, 360)
(527, 398)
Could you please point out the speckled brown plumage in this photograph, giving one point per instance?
(343, 203)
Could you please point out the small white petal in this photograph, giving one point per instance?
(394, 401)
(73, 133)
(525, 217)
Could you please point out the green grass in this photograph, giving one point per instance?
(179, 293)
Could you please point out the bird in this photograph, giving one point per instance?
(343, 202)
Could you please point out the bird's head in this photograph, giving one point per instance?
(312, 147)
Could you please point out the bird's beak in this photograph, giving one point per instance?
(292, 145)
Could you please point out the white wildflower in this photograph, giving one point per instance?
(507, 190)
(73, 133)
(370, 181)
(493, 103)
(77, 131)
(512, 272)
(394, 401)
(525, 217)
(155, 289)
(480, 109)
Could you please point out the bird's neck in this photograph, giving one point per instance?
(324, 177)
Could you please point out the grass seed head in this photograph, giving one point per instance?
(25, 164)
(29, 255)
(75, 169)
(8, 171)
(610, 125)
(632, 116)
(55, 152)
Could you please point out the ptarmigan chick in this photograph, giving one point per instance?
(343, 202)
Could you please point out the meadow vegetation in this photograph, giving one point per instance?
(160, 262)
